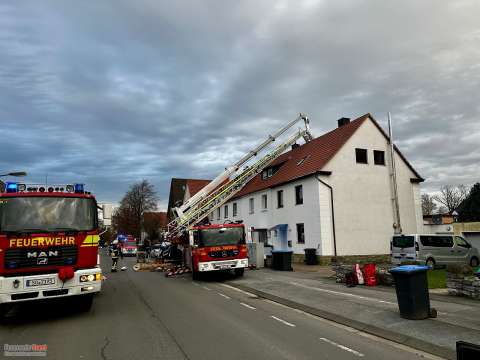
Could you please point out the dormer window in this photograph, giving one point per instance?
(269, 172)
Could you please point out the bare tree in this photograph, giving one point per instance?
(139, 198)
(442, 210)
(428, 205)
(451, 196)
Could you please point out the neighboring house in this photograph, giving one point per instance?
(181, 190)
(470, 231)
(438, 224)
(333, 194)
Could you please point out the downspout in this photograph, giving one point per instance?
(333, 214)
(393, 180)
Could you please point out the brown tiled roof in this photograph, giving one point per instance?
(316, 154)
(195, 185)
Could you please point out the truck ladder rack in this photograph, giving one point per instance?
(192, 214)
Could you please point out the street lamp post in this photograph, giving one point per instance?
(15, 173)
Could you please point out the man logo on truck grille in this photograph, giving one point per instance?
(42, 254)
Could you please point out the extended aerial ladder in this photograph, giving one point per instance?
(232, 180)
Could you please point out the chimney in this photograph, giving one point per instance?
(294, 146)
(343, 121)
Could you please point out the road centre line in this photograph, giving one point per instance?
(206, 288)
(248, 306)
(354, 352)
(343, 327)
(240, 291)
(282, 321)
(225, 296)
(342, 293)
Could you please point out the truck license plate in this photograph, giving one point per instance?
(40, 282)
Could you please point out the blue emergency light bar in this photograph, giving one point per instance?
(78, 188)
(13, 187)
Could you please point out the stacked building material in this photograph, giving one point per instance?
(461, 285)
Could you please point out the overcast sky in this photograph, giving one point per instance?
(111, 92)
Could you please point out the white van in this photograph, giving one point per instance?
(433, 250)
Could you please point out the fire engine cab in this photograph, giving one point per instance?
(218, 247)
(48, 244)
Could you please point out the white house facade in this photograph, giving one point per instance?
(333, 194)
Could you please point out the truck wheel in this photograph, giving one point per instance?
(195, 274)
(4, 309)
(239, 272)
(430, 262)
(84, 302)
(474, 261)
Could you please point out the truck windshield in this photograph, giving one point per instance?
(35, 214)
(402, 241)
(222, 236)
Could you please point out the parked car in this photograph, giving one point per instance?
(434, 249)
(156, 251)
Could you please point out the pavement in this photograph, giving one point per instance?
(370, 309)
(144, 315)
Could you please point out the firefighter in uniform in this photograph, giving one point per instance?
(115, 253)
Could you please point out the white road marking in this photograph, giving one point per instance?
(248, 306)
(282, 321)
(354, 352)
(194, 283)
(241, 291)
(344, 327)
(225, 296)
(206, 288)
(342, 293)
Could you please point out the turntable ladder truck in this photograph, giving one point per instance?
(214, 247)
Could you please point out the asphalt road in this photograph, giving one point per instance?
(143, 315)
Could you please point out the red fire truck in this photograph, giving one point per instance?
(48, 244)
(218, 247)
(213, 247)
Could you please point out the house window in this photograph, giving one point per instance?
(298, 195)
(280, 198)
(300, 234)
(251, 205)
(218, 214)
(235, 209)
(264, 202)
(361, 156)
(225, 211)
(379, 157)
(268, 173)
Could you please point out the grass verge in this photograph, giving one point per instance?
(437, 279)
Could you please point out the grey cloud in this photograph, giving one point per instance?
(115, 91)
